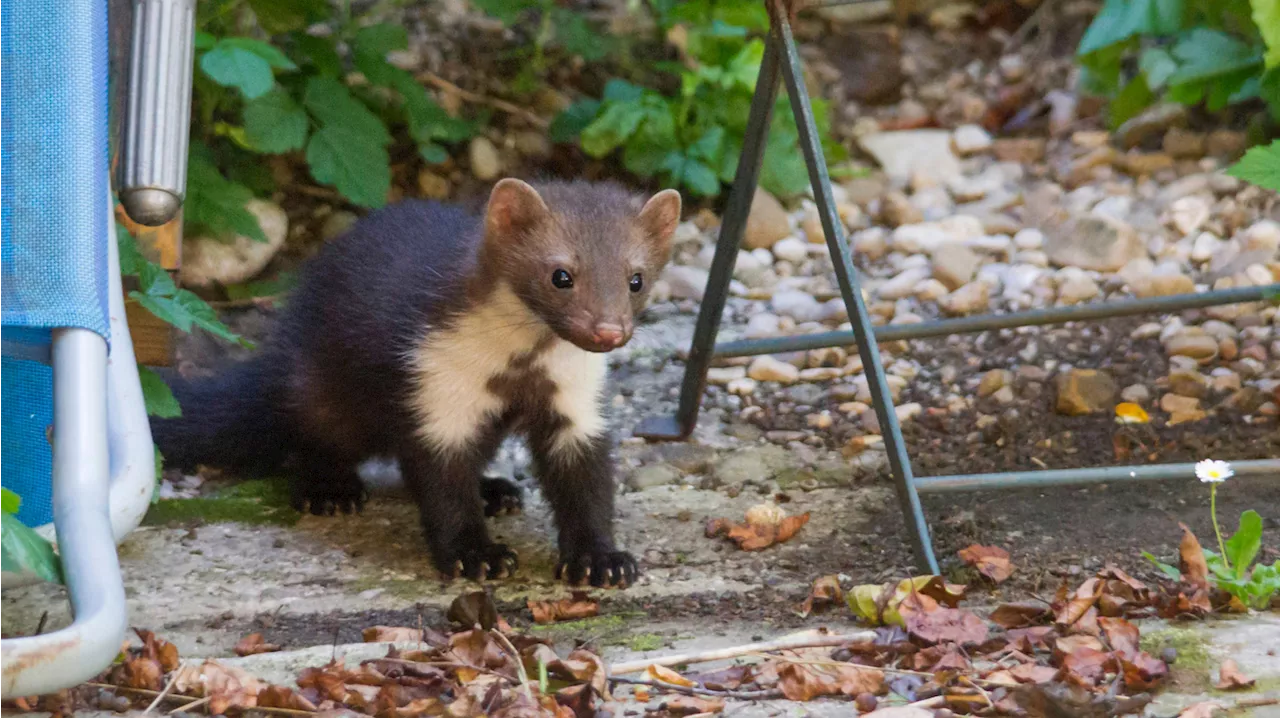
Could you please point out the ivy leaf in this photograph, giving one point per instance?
(330, 102)
(616, 90)
(238, 68)
(1135, 97)
(265, 50)
(1266, 15)
(216, 205)
(612, 128)
(357, 167)
(700, 179)
(157, 396)
(279, 16)
(23, 551)
(1204, 54)
(274, 123)
(710, 146)
(1260, 166)
(568, 125)
(1244, 544)
(9, 501)
(321, 52)
(1119, 20)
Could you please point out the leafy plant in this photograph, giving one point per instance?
(557, 27)
(1214, 52)
(294, 94)
(22, 550)
(694, 139)
(1260, 166)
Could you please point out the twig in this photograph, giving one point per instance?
(928, 702)
(515, 656)
(188, 706)
(698, 690)
(806, 639)
(167, 687)
(179, 696)
(44, 618)
(986, 696)
(443, 84)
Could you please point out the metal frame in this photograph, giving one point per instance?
(782, 57)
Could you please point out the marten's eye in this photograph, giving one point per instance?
(637, 282)
(561, 279)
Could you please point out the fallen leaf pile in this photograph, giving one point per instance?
(765, 525)
(990, 561)
(577, 606)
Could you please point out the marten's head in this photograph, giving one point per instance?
(582, 256)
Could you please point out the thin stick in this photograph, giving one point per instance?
(698, 690)
(515, 656)
(443, 84)
(188, 706)
(167, 687)
(179, 696)
(928, 702)
(807, 639)
(986, 696)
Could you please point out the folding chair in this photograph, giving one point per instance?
(76, 442)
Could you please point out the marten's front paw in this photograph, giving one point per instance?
(493, 560)
(328, 499)
(605, 568)
(500, 496)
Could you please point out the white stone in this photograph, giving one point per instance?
(207, 261)
(970, 139)
(913, 153)
(1029, 238)
(1204, 246)
(969, 299)
(743, 386)
(762, 324)
(791, 249)
(486, 165)
(721, 375)
(930, 290)
(1188, 214)
(686, 282)
(1076, 288)
(798, 305)
(766, 368)
(1263, 235)
(904, 284)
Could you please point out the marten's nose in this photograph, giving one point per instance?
(610, 336)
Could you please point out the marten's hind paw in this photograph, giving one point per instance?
(501, 496)
(491, 561)
(609, 568)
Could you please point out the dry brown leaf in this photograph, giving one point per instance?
(1142, 671)
(1203, 709)
(663, 674)
(392, 634)
(802, 682)
(727, 679)
(225, 686)
(991, 561)
(139, 672)
(691, 705)
(158, 649)
(281, 697)
(825, 592)
(1027, 639)
(756, 536)
(577, 606)
(1086, 666)
(254, 644)
(1121, 635)
(1069, 644)
(477, 648)
(328, 681)
(1230, 678)
(1080, 602)
(473, 608)
(1032, 673)
(1019, 614)
(899, 712)
(947, 624)
(1191, 560)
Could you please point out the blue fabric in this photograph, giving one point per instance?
(53, 214)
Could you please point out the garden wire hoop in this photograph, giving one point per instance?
(782, 62)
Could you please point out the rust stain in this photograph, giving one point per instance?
(28, 660)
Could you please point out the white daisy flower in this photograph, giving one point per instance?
(1211, 471)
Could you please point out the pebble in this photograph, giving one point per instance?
(896, 210)
(930, 290)
(970, 139)
(432, 185)
(791, 249)
(208, 261)
(1188, 214)
(969, 299)
(798, 305)
(904, 283)
(993, 381)
(954, 265)
(1183, 143)
(1023, 150)
(647, 477)
(1028, 238)
(719, 376)
(767, 368)
(742, 386)
(762, 324)
(907, 412)
(819, 421)
(767, 223)
(686, 282)
(1084, 391)
(873, 242)
(1175, 402)
(1189, 383)
(486, 165)
(1078, 287)
(1204, 246)
(1193, 343)
(1136, 393)
(825, 373)
(1150, 122)
(1096, 242)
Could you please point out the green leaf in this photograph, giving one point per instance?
(321, 52)
(1170, 571)
(784, 172)
(1205, 54)
(274, 57)
(131, 259)
(205, 41)
(157, 395)
(281, 284)
(9, 501)
(1244, 544)
(616, 90)
(572, 120)
(330, 102)
(357, 167)
(381, 39)
(203, 316)
(1260, 166)
(710, 147)
(612, 128)
(216, 205)
(239, 68)
(577, 37)
(275, 123)
(427, 119)
(1157, 64)
(1266, 15)
(432, 153)
(23, 551)
(700, 179)
(508, 11)
(1135, 97)
(1119, 20)
(279, 16)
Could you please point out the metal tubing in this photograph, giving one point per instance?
(986, 322)
(735, 223)
(1071, 477)
(846, 275)
(49, 662)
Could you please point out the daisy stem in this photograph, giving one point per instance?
(1213, 512)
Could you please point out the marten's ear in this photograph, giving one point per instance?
(660, 216)
(514, 208)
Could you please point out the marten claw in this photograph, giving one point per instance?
(492, 561)
(611, 568)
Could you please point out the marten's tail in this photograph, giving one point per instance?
(237, 420)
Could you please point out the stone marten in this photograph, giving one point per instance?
(428, 334)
